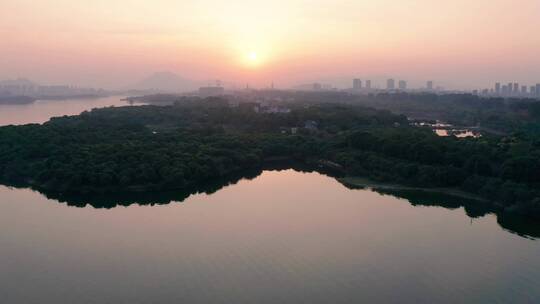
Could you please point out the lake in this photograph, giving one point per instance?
(281, 237)
(42, 110)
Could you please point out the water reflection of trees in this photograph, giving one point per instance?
(512, 223)
(143, 198)
(112, 200)
(519, 225)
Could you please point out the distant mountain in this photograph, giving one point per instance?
(166, 82)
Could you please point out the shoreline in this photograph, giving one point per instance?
(365, 183)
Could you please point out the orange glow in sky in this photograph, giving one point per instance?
(114, 43)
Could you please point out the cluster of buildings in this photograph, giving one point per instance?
(511, 90)
(390, 85)
(357, 84)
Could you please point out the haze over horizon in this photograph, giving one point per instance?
(113, 44)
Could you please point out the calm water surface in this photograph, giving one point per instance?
(42, 110)
(283, 237)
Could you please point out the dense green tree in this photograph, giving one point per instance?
(155, 148)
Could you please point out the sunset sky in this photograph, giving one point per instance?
(108, 43)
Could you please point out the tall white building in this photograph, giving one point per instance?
(368, 84)
(357, 84)
(402, 85)
(390, 84)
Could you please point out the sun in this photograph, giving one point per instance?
(253, 57)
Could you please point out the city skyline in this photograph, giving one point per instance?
(23, 86)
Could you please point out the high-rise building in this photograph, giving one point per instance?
(390, 84)
(402, 85)
(357, 84)
(523, 90)
(368, 84)
(504, 90)
(516, 88)
(498, 88)
(532, 90)
(509, 88)
(538, 90)
(429, 85)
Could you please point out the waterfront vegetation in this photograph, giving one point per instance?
(194, 142)
(494, 114)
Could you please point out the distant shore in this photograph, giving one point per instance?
(22, 100)
(15, 100)
(79, 96)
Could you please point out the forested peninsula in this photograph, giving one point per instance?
(161, 148)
